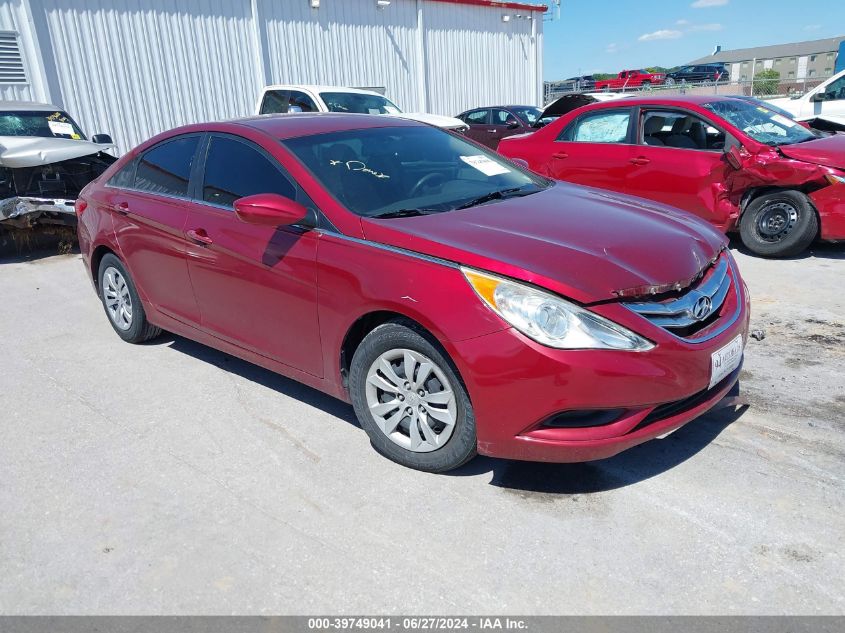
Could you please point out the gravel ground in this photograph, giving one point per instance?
(171, 478)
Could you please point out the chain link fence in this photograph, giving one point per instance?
(761, 86)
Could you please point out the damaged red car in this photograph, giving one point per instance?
(461, 303)
(738, 165)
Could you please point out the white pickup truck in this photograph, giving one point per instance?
(823, 106)
(299, 98)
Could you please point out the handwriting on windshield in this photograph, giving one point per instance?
(357, 165)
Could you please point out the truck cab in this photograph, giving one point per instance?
(823, 106)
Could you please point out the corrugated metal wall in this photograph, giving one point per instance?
(134, 68)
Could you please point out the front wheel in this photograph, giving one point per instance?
(670, 81)
(779, 224)
(409, 399)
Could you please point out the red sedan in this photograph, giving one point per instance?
(461, 303)
(737, 164)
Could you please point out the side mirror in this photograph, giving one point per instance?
(269, 209)
(513, 124)
(733, 157)
(102, 139)
(819, 96)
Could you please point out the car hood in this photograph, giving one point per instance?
(31, 151)
(447, 122)
(828, 151)
(587, 244)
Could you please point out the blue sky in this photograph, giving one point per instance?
(612, 35)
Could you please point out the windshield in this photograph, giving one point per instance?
(394, 171)
(358, 103)
(34, 123)
(528, 115)
(761, 123)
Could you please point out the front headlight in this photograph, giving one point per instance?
(551, 320)
(833, 179)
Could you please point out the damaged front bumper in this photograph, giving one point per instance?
(25, 212)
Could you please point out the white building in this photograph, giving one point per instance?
(133, 68)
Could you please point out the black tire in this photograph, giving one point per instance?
(139, 330)
(403, 334)
(790, 210)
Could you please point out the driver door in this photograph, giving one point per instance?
(256, 286)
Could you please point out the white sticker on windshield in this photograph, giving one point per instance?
(391, 109)
(485, 165)
(778, 118)
(60, 128)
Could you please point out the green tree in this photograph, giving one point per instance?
(766, 82)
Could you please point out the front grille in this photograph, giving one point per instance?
(694, 308)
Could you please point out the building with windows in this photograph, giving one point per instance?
(800, 60)
(138, 67)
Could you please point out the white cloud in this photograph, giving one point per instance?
(662, 34)
(812, 27)
(612, 48)
(682, 22)
(705, 4)
(706, 27)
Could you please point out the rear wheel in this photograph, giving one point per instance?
(646, 85)
(670, 81)
(121, 302)
(409, 399)
(779, 224)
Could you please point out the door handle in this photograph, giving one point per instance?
(560, 155)
(640, 160)
(122, 208)
(199, 235)
(492, 131)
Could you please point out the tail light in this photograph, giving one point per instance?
(79, 206)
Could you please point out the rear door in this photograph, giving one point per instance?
(478, 122)
(594, 150)
(149, 211)
(688, 170)
(256, 286)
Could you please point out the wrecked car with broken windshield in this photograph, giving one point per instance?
(45, 161)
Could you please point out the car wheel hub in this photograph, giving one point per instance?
(117, 299)
(776, 220)
(411, 400)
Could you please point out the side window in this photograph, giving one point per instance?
(503, 117)
(234, 169)
(274, 102)
(479, 117)
(125, 177)
(680, 130)
(600, 127)
(836, 90)
(301, 102)
(166, 168)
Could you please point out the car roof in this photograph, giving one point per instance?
(285, 126)
(9, 106)
(677, 100)
(321, 88)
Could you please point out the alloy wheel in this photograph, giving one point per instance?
(411, 400)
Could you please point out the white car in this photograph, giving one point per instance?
(287, 98)
(45, 161)
(823, 106)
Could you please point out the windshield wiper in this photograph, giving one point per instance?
(495, 195)
(404, 213)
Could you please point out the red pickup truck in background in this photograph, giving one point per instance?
(631, 79)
